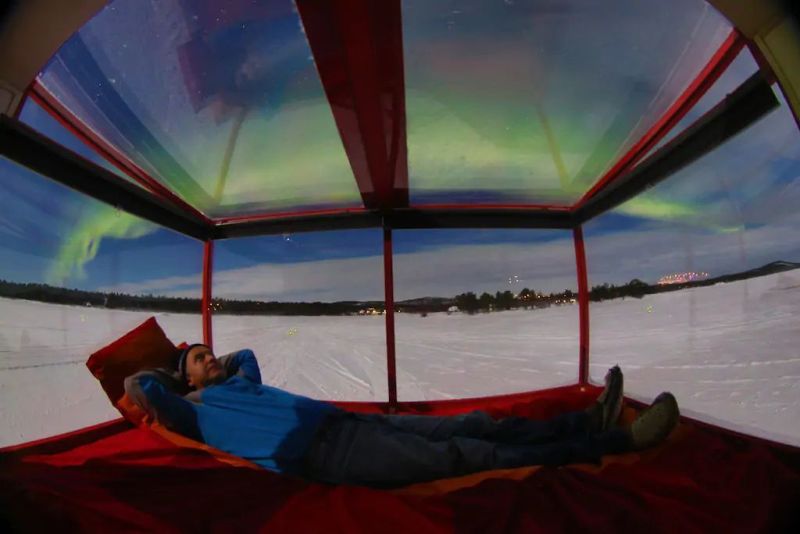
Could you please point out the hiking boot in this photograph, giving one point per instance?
(605, 411)
(655, 423)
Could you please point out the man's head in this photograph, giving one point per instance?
(199, 367)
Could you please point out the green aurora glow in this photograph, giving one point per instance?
(82, 245)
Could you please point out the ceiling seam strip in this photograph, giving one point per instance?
(357, 47)
(325, 42)
(366, 99)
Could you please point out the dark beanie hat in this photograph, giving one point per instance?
(182, 359)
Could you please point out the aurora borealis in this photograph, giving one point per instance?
(518, 102)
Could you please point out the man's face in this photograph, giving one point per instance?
(202, 368)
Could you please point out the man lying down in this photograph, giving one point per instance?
(227, 407)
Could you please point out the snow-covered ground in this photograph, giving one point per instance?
(729, 352)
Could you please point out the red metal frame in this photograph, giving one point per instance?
(208, 271)
(66, 118)
(702, 82)
(388, 281)
(583, 305)
(357, 47)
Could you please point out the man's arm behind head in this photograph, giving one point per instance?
(158, 392)
(241, 363)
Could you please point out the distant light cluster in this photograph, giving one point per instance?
(681, 278)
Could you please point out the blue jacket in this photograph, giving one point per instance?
(264, 424)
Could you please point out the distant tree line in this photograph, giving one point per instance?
(635, 288)
(77, 297)
(529, 299)
(506, 300)
(468, 302)
(60, 295)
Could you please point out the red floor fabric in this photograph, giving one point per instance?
(701, 480)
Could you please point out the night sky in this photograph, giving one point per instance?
(495, 111)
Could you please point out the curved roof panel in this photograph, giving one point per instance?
(221, 102)
(512, 103)
(531, 101)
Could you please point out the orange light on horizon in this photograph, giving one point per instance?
(681, 278)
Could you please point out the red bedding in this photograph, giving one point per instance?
(703, 479)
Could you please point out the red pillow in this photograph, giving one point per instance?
(146, 346)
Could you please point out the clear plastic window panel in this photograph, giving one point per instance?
(484, 312)
(735, 75)
(76, 275)
(703, 288)
(219, 101)
(309, 305)
(532, 100)
(40, 120)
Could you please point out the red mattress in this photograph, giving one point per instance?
(703, 479)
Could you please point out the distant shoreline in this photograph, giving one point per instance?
(468, 302)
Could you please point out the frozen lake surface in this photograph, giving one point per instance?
(729, 352)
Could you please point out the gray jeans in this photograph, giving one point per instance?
(395, 450)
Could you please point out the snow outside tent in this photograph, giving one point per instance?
(412, 207)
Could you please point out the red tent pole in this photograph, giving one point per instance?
(583, 305)
(388, 280)
(208, 270)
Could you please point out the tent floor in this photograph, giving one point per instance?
(702, 479)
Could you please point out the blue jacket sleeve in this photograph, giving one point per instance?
(151, 391)
(242, 363)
